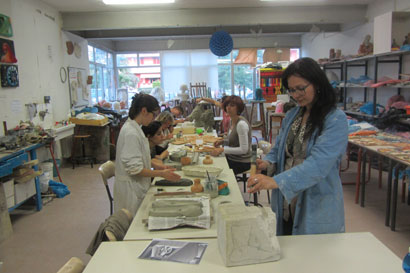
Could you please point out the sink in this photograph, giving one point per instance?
(63, 131)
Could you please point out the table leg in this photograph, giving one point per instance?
(394, 199)
(359, 171)
(380, 170)
(363, 179)
(39, 204)
(388, 197)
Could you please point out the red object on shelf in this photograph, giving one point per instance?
(271, 83)
(408, 110)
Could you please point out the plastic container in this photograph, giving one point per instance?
(46, 167)
(406, 262)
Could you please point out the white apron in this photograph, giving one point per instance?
(132, 156)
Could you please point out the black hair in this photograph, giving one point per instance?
(325, 96)
(151, 129)
(140, 101)
(236, 100)
(180, 109)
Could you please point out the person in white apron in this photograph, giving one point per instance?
(133, 161)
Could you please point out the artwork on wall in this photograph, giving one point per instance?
(77, 81)
(9, 75)
(5, 26)
(7, 54)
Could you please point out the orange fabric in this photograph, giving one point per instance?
(246, 56)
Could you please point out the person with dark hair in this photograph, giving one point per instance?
(133, 161)
(238, 142)
(153, 132)
(303, 166)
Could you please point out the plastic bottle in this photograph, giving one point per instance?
(406, 262)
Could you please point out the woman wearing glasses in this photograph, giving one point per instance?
(133, 160)
(303, 166)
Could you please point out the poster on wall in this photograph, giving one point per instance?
(9, 75)
(77, 84)
(5, 26)
(7, 54)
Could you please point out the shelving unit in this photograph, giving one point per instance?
(270, 83)
(378, 59)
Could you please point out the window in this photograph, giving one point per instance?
(241, 79)
(185, 67)
(102, 70)
(138, 72)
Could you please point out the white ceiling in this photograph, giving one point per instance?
(98, 5)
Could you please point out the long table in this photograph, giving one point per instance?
(392, 185)
(336, 253)
(139, 231)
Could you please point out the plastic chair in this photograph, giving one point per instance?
(74, 265)
(107, 170)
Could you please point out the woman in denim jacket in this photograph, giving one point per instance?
(303, 166)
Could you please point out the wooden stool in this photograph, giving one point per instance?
(275, 118)
(83, 157)
(261, 125)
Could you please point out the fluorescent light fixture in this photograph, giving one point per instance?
(136, 2)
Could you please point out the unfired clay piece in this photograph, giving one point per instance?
(197, 187)
(207, 160)
(165, 208)
(247, 235)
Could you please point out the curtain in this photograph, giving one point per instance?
(188, 66)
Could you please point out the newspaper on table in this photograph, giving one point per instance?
(174, 251)
(199, 214)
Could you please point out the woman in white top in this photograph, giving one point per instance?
(133, 161)
(238, 141)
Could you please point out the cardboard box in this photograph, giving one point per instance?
(23, 191)
(10, 201)
(91, 122)
(9, 188)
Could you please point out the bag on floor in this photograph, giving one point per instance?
(58, 188)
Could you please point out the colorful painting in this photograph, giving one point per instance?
(7, 51)
(5, 26)
(9, 75)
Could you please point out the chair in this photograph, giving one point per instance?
(107, 170)
(74, 265)
(110, 235)
(198, 90)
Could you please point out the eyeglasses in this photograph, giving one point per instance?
(155, 113)
(298, 90)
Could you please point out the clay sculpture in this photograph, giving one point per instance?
(197, 187)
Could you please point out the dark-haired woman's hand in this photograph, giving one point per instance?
(218, 143)
(169, 174)
(259, 182)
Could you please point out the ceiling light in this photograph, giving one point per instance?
(136, 2)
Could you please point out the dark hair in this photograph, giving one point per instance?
(224, 97)
(325, 96)
(179, 108)
(236, 100)
(151, 129)
(140, 101)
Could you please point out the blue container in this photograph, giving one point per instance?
(406, 263)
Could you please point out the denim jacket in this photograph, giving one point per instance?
(316, 181)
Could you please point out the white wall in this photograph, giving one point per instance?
(317, 45)
(41, 52)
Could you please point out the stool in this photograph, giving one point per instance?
(261, 125)
(83, 157)
(275, 118)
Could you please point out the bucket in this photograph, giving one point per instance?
(53, 170)
(46, 167)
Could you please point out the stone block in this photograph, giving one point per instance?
(247, 235)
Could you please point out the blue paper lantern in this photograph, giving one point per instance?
(221, 43)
